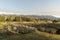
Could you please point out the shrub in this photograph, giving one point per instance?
(42, 29)
(53, 31)
(58, 31)
(25, 29)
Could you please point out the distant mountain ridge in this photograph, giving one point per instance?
(41, 16)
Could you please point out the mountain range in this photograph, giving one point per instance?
(41, 16)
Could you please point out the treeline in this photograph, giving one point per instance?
(17, 19)
(22, 19)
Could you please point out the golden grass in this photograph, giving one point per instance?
(48, 35)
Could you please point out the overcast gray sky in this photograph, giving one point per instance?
(32, 7)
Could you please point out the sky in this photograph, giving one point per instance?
(30, 7)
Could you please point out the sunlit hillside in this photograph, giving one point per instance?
(29, 28)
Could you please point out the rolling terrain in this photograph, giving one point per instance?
(29, 28)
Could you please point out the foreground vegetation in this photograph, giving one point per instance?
(9, 31)
(28, 28)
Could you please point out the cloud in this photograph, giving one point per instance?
(33, 12)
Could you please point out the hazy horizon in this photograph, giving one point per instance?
(30, 7)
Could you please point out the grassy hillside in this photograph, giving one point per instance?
(37, 35)
(28, 32)
(28, 28)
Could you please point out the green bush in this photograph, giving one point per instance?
(23, 30)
